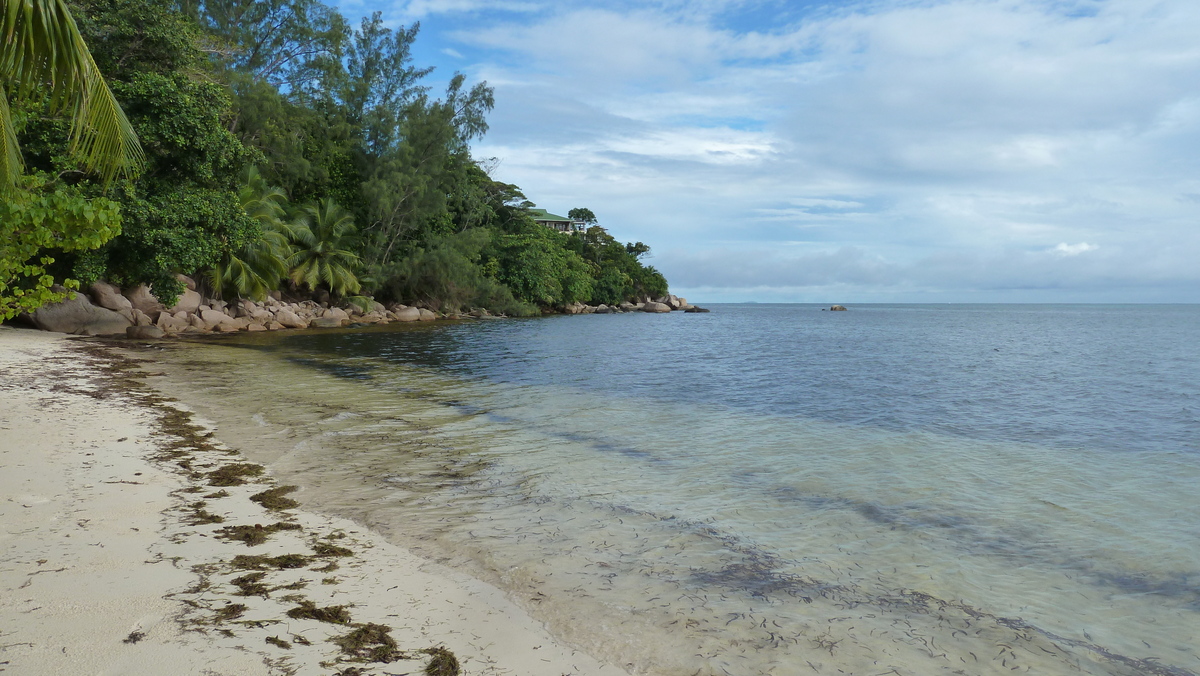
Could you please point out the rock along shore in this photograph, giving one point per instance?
(108, 310)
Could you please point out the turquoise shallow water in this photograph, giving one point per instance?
(769, 488)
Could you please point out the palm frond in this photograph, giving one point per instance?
(40, 46)
(10, 155)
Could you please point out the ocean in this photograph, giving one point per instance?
(767, 489)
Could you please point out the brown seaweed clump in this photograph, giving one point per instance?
(281, 562)
(200, 516)
(234, 474)
(307, 610)
(230, 612)
(370, 643)
(251, 585)
(444, 663)
(276, 641)
(273, 499)
(324, 549)
(254, 535)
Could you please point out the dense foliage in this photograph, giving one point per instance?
(286, 148)
(43, 218)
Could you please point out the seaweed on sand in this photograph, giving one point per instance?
(230, 612)
(281, 562)
(444, 663)
(234, 474)
(200, 516)
(254, 535)
(273, 499)
(251, 584)
(370, 643)
(324, 549)
(307, 610)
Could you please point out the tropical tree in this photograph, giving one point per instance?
(257, 267)
(324, 237)
(583, 215)
(41, 49)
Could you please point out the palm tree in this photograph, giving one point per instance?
(324, 235)
(258, 266)
(40, 46)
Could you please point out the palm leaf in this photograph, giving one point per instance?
(40, 46)
(10, 155)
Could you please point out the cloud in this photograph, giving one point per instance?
(886, 146)
(417, 9)
(1064, 249)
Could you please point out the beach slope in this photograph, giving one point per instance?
(134, 542)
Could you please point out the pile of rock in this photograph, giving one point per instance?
(137, 313)
(663, 304)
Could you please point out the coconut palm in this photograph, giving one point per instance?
(258, 266)
(40, 46)
(324, 236)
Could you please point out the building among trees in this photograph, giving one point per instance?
(556, 222)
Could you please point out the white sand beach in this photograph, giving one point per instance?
(113, 557)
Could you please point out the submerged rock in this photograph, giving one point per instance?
(144, 332)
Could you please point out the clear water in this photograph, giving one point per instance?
(768, 489)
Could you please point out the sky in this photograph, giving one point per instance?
(840, 152)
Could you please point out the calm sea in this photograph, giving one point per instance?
(768, 489)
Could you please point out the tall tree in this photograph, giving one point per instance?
(288, 43)
(409, 182)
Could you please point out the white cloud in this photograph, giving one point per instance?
(422, 8)
(1064, 249)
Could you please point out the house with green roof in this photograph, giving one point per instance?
(556, 222)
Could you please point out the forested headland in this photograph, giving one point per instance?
(284, 147)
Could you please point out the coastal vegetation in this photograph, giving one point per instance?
(261, 147)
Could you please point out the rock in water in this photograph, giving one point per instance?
(408, 314)
(656, 307)
(838, 308)
(144, 332)
(325, 323)
(427, 315)
(336, 313)
(290, 320)
(214, 319)
(694, 308)
(78, 315)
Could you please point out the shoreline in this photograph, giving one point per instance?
(132, 541)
